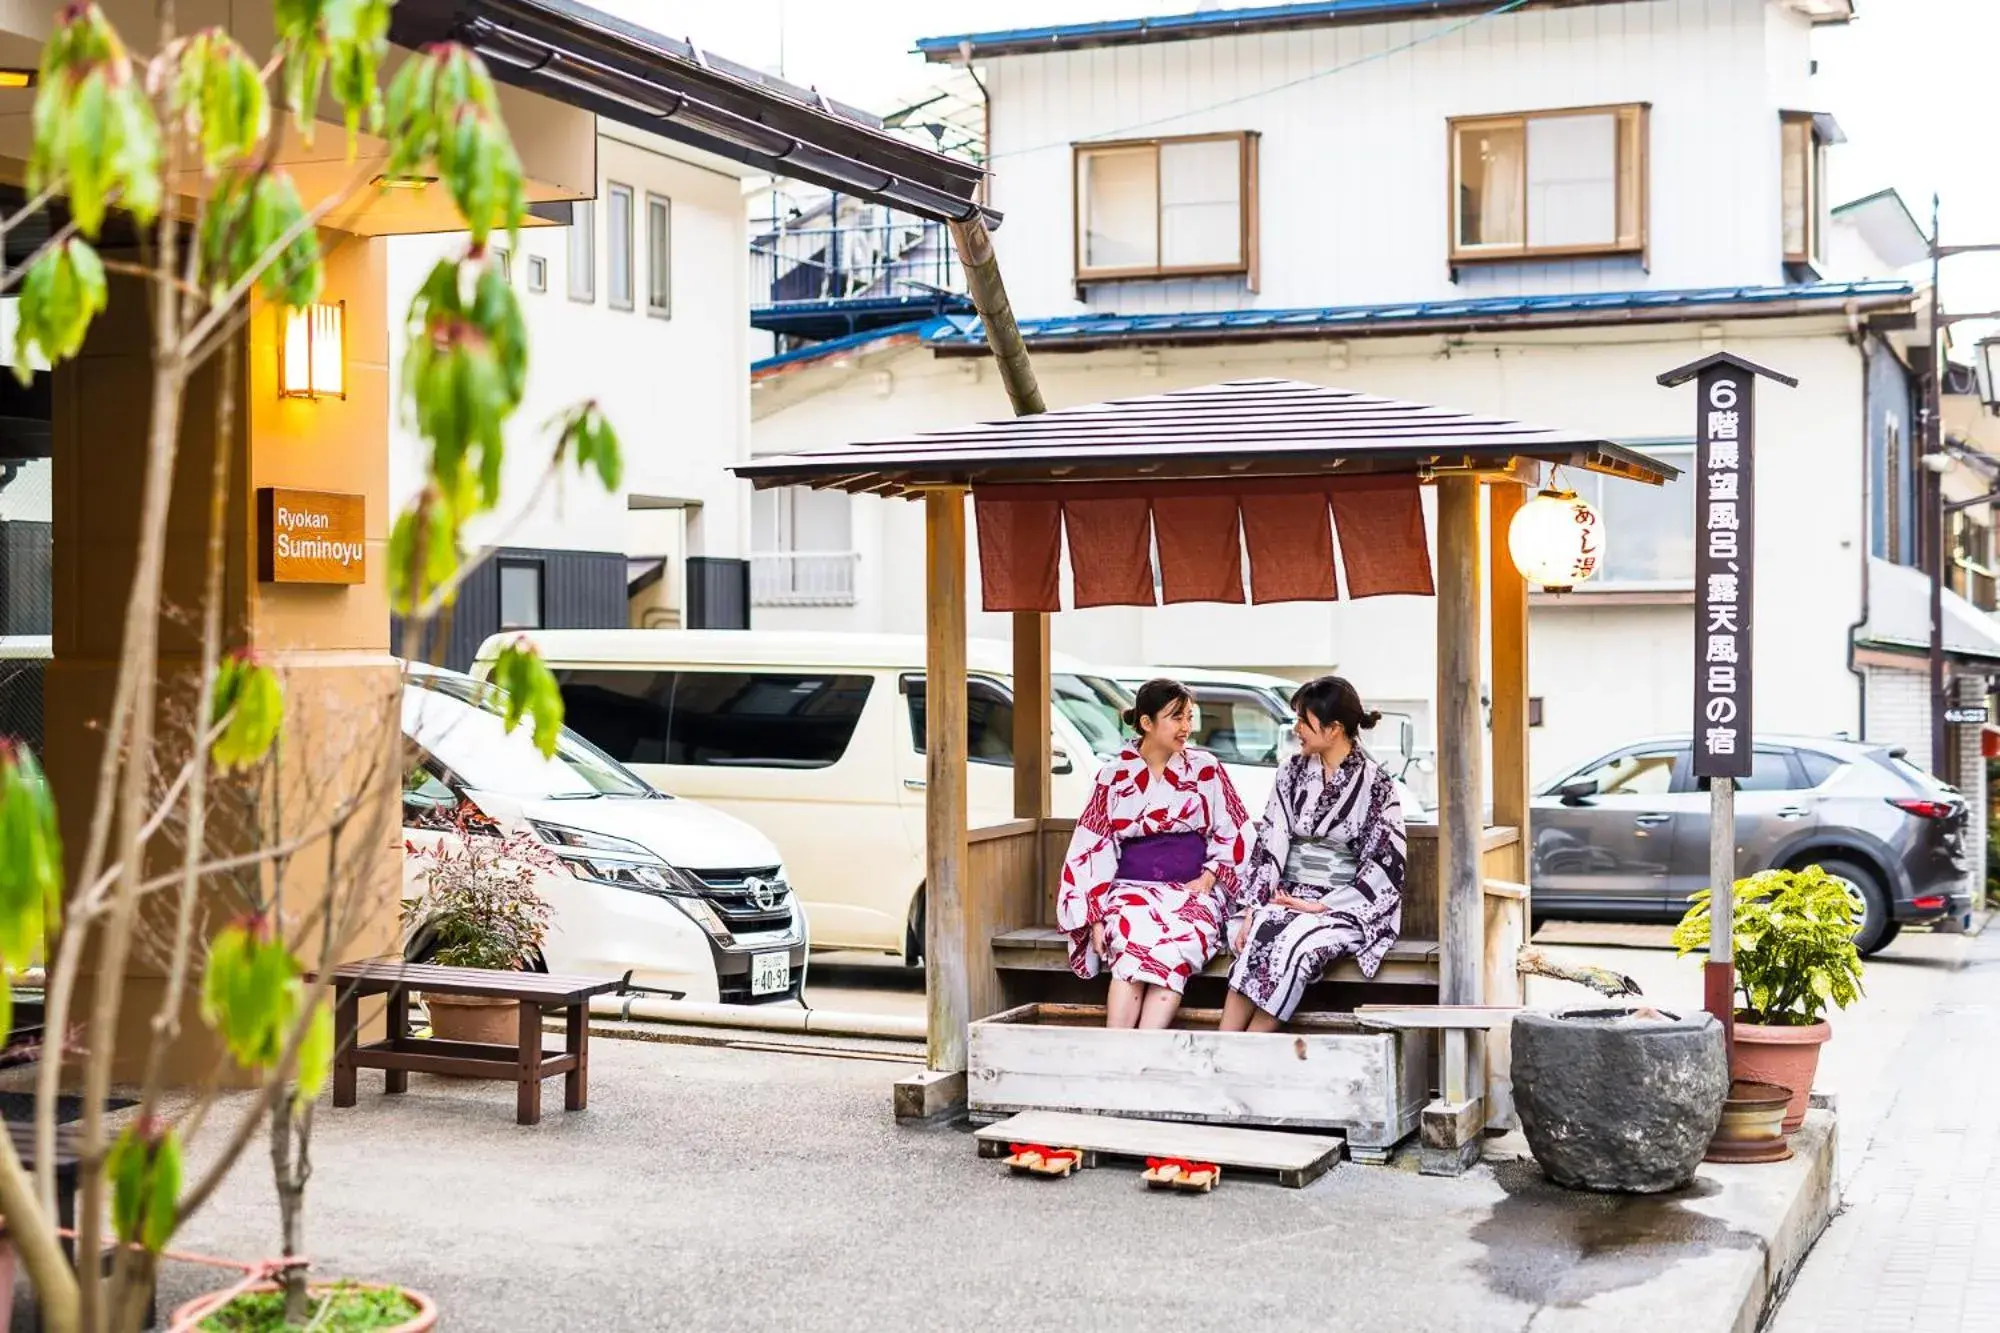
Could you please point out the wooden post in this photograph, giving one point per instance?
(1452, 1126)
(1719, 976)
(947, 998)
(1032, 787)
(1460, 742)
(989, 298)
(1510, 675)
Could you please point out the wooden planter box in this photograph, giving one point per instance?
(1326, 1072)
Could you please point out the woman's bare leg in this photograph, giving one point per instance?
(1161, 1004)
(1237, 1011)
(1122, 1007)
(1263, 1022)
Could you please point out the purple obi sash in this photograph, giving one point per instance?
(1163, 858)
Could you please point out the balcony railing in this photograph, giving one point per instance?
(899, 258)
(802, 578)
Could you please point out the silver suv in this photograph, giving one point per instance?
(1625, 836)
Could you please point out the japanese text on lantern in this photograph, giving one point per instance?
(1723, 535)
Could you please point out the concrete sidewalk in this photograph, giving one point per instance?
(714, 1188)
(1917, 1246)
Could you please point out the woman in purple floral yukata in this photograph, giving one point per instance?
(1325, 878)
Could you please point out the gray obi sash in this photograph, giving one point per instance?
(1320, 863)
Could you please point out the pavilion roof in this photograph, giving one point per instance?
(1232, 431)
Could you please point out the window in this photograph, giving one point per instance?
(1167, 207)
(1770, 770)
(583, 251)
(1549, 183)
(520, 595)
(1095, 707)
(801, 547)
(1651, 543)
(1805, 201)
(989, 719)
(659, 257)
(1819, 767)
(720, 719)
(538, 273)
(1647, 773)
(1237, 727)
(618, 241)
(503, 263)
(1535, 710)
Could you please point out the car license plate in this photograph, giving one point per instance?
(770, 973)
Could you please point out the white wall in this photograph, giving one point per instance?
(673, 387)
(1354, 155)
(1604, 670)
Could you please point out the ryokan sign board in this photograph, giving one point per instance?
(1725, 526)
(310, 537)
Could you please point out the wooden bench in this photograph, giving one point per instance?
(525, 1064)
(1046, 949)
(68, 1156)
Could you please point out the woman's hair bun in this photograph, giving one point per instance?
(1330, 699)
(1130, 717)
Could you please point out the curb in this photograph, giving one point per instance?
(755, 1018)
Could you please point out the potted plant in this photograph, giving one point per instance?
(1795, 960)
(480, 909)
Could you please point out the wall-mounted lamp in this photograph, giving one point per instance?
(404, 182)
(312, 351)
(17, 78)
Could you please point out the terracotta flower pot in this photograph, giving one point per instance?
(193, 1312)
(1753, 1124)
(475, 1018)
(1786, 1056)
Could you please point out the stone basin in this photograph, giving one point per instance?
(1619, 1100)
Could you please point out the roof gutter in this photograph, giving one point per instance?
(579, 56)
(1362, 328)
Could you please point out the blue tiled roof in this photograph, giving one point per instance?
(814, 351)
(1206, 23)
(1478, 312)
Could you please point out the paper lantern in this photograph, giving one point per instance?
(311, 351)
(1556, 540)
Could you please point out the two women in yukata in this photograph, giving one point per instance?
(1165, 863)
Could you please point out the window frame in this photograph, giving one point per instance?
(1604, 585)
(583, 225)
(1246, 265)
(503, 260)
(615, 193)
(664, 308)
(538, 273)
(1816, 218)
(911, 684)
(540, 569)
(1460, 254)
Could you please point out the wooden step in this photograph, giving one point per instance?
(1046, 949)
(1296, 1159)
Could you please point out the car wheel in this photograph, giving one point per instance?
(1871, 905)
(913, 947)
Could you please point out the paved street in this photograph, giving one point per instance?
(1918, 1245)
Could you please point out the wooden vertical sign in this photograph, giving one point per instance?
(1725, 518)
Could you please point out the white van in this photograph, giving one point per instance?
(682, 898)
(817, 739)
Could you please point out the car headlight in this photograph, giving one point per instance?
(623, 864)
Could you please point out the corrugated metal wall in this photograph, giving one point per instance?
(580, 590)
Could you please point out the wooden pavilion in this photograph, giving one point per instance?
(1291, 473)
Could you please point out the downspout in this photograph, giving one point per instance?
(1859, 672)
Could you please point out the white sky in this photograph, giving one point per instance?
(1904, 80)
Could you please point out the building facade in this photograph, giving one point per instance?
(640, 303)
(1627, 185)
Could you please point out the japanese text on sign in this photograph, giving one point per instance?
(1723, 519)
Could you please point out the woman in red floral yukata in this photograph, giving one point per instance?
(1153, 864)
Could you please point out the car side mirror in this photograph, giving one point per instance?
(1060, 761)
(1577, 792)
